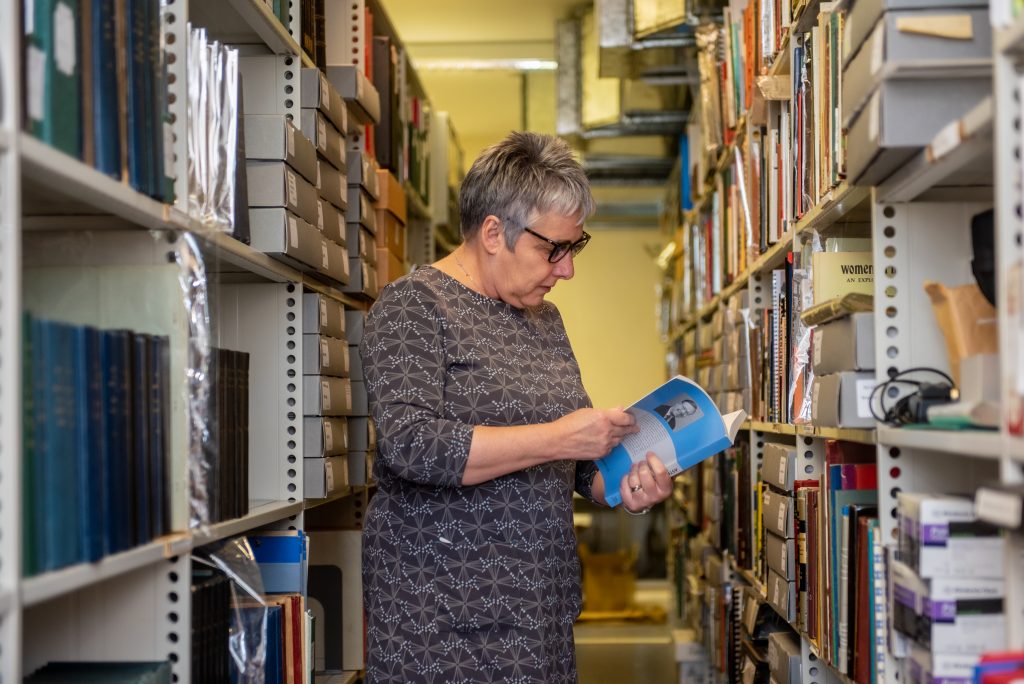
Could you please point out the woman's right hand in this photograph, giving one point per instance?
(588, 434)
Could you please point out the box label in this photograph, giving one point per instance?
(293, 189)
(65, 53)
(320, 215)
(325, 95)
(328, 436)
(864, 390)
(293, 232)
(781, 522)
(329, 473)
(321, 134)
(291, 140)
(325, 395)
(325, 354)
(323, 255)
(323, 312)
(782, 470)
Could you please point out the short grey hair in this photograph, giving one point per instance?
(521, 178)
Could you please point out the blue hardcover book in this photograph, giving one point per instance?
(53, 76)
(140, 384)
(159, 379)
(274, 667)
(90, 449)
(116, 480)
(137, 58)
(106, 114)
(62, 540)
(685, 201)
(679, 423)
(35, 485)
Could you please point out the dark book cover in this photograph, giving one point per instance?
(62, 540)
(141, 496)
(92, 447)
(105, 113)
(159, 412)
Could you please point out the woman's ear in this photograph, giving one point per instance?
(492, 234)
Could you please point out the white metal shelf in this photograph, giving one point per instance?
(259, 515)
(839, 202)
(6, 602)
(960, 156)
(244, 22)
(347, 677)
(967, 443)
(54, 183)
(50, 585)
(342, 493)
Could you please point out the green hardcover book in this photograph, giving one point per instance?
(53, 73)
(28, 427)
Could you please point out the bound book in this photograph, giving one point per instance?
(679, 423)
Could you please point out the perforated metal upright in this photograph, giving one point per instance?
(10, 345)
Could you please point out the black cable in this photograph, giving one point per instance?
(901, 412)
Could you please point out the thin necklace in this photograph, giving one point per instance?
(456, 257)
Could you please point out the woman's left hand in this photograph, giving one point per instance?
(646, 484)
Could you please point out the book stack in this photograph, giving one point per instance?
(211, 625)
(96, 408)
(325, 122)
(96, 87)
(227, 486)
(361, 433)
(779, 524)
(325, 352)
(363, 190)
(948, 587)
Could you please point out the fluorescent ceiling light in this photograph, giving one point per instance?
(485, 64)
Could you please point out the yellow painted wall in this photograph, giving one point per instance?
(609, 309)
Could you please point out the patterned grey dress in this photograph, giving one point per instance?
(477, 583)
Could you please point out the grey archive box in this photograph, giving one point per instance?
(843, 400)
(901, 117)
(362, 436)
(779, 466)
(863, 15)
(850, 343)
(321, 477)
(784, 657)
(362, 172)
(362, 278)
(323, 355)
(899, 47)
(323, 315)
(331, 184)
(782, 595)
(360, 209)
(362, 243)
(286, 237)
(354, 87)
(778, 514)
(355, 363)
(275, 184)
(354, 322)
(272, 137)
(333, 223)
(334, 261)
(323, 436)
(780, 555)
(326, 396)
(318, 93)
(328, 140)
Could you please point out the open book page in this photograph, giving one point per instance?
(678, 423)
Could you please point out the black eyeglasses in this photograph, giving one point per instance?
(560, 249)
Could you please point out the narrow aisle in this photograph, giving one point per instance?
(627, 652)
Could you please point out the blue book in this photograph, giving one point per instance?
(140, 384)
(35, 425)
(90, 449)
(685, 200)
(274, 667)
(159, 410)
(283, 558)
(139, 143)
(116, 480)
(61, 467)
(680, 423)
(106, 114)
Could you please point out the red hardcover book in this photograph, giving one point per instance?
(861, 640)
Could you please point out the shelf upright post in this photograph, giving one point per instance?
(175, 609)
(10, 344)
(174, 26)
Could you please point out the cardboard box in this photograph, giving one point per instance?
(331, 222)
(324, 436)
(275, 184)
(838, 273)
(331, 184)
(361, 242)
(392, 195)
(362, 278)
(285, 236)
(781, 556)
(863, 15)
(843, 400)
(317, 92)
(323, 315)
(779, 466)
(360, 210)
(391, 233)
(784, 658)
(328, 140)
(321, 477)
(949, 615)
(359, 467)
(778, 514)
(354, 87)
(362, 436)
(363, 173)
(782, 595)
(901, 117)
(343, 551)
(888, 49)
(323, 355)
(326, 396)
(847, 344)
(939, 536)
(389, 267)
(334, 261)
(355, 319)
(271, 137)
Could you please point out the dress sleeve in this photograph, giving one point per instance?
(586, 471)
(404, 361)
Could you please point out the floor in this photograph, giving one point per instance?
(621, 652)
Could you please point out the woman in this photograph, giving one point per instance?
(470, 568)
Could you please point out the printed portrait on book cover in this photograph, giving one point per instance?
(679, 412)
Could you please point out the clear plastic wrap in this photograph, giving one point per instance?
(193, 282)
(228, 139)
(801, 376)
(196, 130)
(249, 611)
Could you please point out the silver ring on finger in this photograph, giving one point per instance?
(636, 488)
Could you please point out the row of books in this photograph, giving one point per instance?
(96, 87)
(96, 406)
(227, 480)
